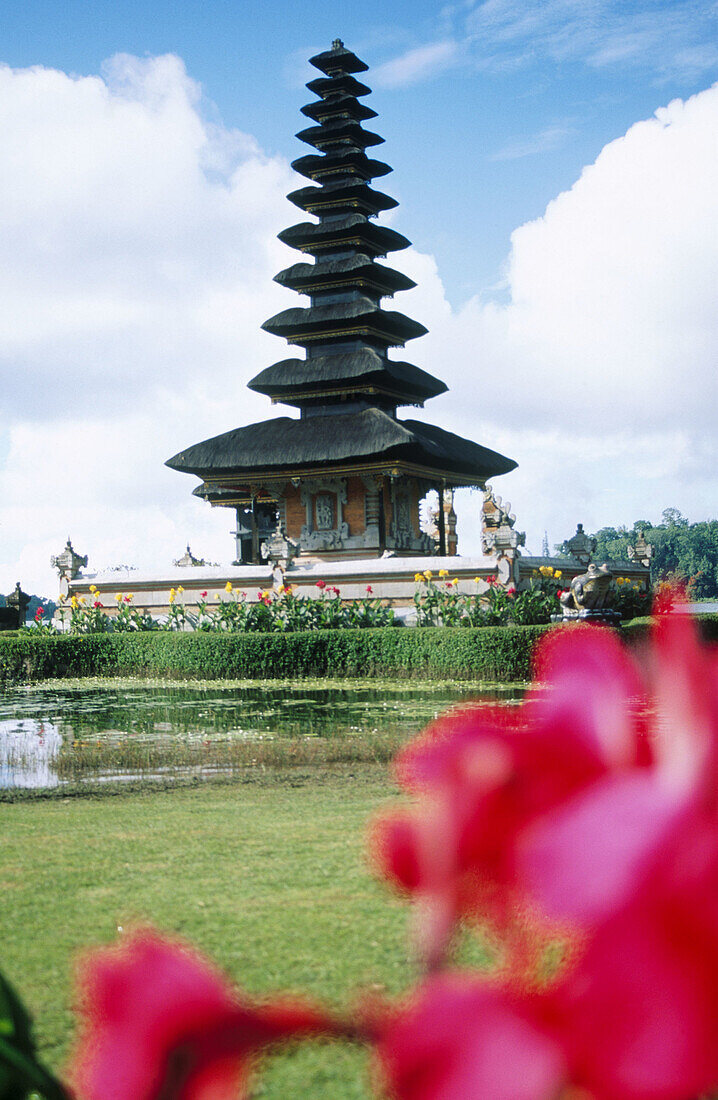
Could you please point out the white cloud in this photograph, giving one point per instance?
(598, 375)
(543, 142)
(138, 246)
(668, 39)
(416, 64)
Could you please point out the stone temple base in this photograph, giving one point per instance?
(391, 579)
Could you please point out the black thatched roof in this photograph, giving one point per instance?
(353, 271)
(315, 166)
(338, 105)
(341, 195)
(339, 131)
(338, 60)
(350, 372)
(354, 229)
(361, 317)
(347, 389)
(340, 439)
(335, 85)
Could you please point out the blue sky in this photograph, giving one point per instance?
(492, 109)
(555, 161)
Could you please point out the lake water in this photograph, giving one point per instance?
(101, 730)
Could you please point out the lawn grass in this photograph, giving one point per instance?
(268, 877)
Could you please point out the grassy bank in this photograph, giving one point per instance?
(267, 877)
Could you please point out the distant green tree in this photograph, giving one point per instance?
(681, 550)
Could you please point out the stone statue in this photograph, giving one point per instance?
(68, 563)
(497, 528)
(581, 546)
(279, 550)
(590, 595)
(642, 551)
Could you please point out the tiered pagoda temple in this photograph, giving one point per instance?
(347, 477)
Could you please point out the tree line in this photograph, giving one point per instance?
(681, 550)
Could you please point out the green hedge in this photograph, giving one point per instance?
(500, 653)
(491, 653)
(637, 630)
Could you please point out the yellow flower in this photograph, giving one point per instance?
(428, 574)
(73, 603)
(62, 597)
(81, 599)
(281, 590)
(228, 586)
(118, 596)
(418, 578)
(216, 596)
(443, 572)
(172, 596)
(477, 580)
(180, 588)
(619, 580)
(130, 596)
(93, 588)
(557, 574)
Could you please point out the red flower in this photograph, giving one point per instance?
(495, 781)
(335, 591)
(203, 595)
(39, 614)
(321, 584)
(492, 580)
(511, 591)
(160, 1022)
(128, 599)
(369, 589)
(461, 1039)
(574, 809)
(97, 604)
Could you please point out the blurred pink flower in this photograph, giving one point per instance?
(160, 1022)
(594, 808)
(459, 1038)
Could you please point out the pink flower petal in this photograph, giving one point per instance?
(461, 1039)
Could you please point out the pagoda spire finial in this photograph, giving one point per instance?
(337, 44)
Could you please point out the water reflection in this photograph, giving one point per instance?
(149, 722)
(28, 751)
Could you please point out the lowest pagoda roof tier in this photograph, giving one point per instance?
(338, 60)
(352, 272)
(295, 381)
(344, 195)
(359, 318)
(351, 231)
(345, 105)
(339, 133)
(344, 162)
(369, 438)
